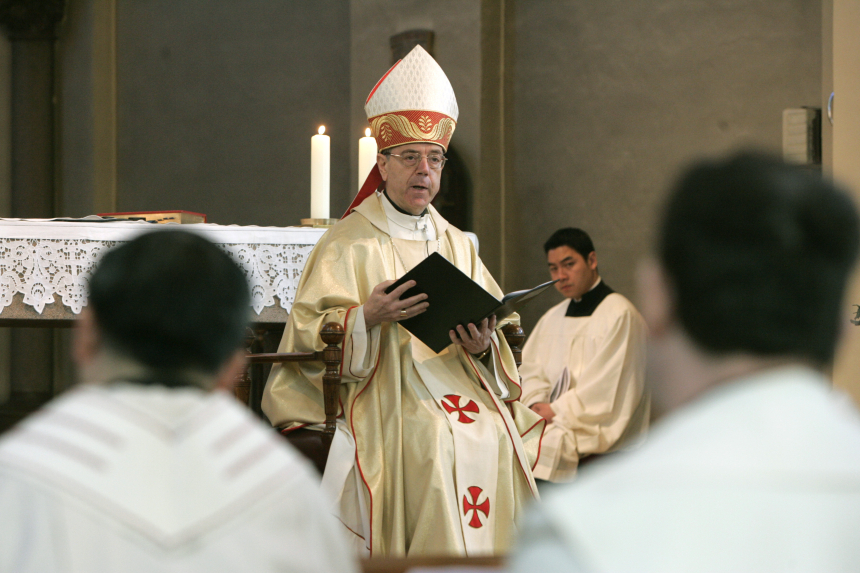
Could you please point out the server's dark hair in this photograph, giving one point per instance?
(758, 254)
(576, 239)
(171, 300)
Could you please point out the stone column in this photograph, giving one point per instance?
(5, 191)
(491, 213)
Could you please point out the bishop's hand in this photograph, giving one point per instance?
(381, 307)
(475, 339)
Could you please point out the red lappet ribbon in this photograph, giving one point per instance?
(372, 184)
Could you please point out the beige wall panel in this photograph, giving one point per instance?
(5, 127)
(826, 83)
(846, 167)
(491, 184)
(76, 110)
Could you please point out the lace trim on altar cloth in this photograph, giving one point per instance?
(43, 269)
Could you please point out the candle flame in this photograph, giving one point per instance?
(367, 132)
(321, 130)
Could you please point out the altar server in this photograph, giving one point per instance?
(584, 364)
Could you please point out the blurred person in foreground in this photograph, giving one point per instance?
(757, 467)
(150, 464)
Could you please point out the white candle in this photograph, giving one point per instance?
(366, 156)
(320, 174)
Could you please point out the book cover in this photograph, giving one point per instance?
(454, 299)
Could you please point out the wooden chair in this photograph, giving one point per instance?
(439, 562)
(315, 444)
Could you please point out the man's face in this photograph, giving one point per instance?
(576, 275)
(411, 188)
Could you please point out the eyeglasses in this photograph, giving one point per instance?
(411, 159)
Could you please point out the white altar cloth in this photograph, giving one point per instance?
(48, 259)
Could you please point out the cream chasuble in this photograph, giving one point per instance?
(606, 406)
(434, 452)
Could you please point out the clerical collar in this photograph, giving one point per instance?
(589, 301)
(404, 211)
(404, 226)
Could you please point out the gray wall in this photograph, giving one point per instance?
(218, 102)
(216, 105)
(611, 98)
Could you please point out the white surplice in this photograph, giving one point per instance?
(606, 406)
(126, 477)
(762, 473)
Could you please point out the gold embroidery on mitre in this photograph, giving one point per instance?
(386, 126)
(425, 123)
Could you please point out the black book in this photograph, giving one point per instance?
(454, 299)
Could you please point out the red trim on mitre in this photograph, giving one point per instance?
(382, 79)
(372, 184)
(424, 122)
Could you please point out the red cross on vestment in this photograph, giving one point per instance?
(451, 403)
(468, 506)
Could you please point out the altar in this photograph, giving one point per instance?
(45, 264)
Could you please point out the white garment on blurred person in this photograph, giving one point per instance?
(131, 477)
(760, 474)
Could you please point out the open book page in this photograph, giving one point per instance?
(513, 301)
(527, 293)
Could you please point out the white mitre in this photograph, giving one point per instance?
(413, 102)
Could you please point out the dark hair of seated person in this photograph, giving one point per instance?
(757, 253)
(172, 301)
(576, 239)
